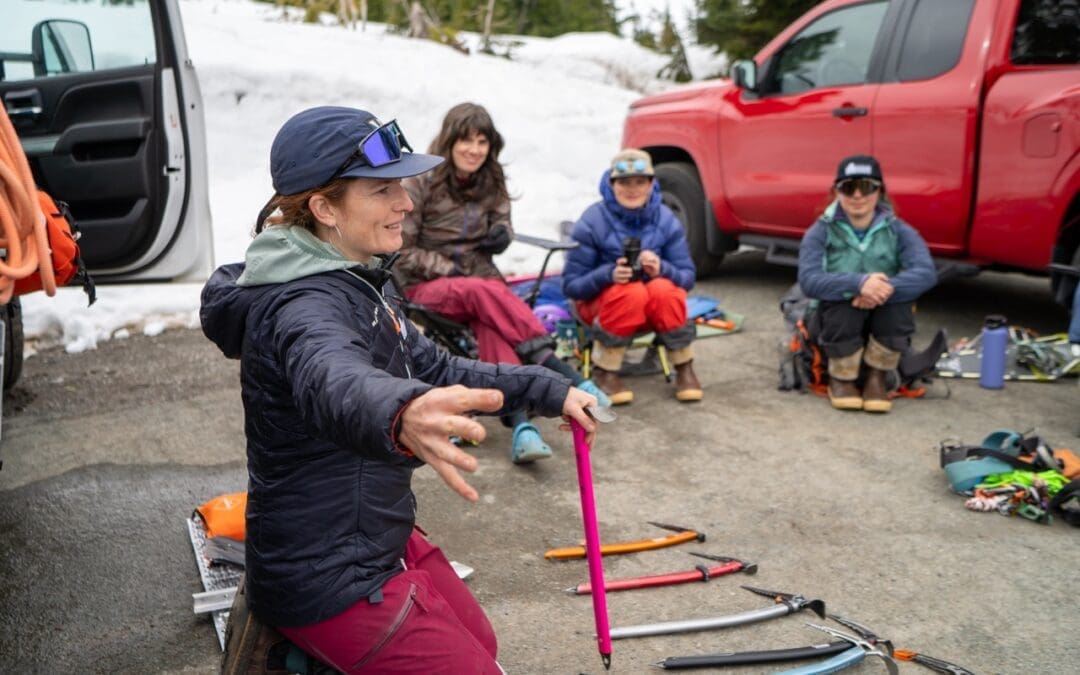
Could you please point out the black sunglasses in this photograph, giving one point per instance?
(865, 186)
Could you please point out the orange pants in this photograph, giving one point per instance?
(625, 309)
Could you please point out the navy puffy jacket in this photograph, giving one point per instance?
(324, 373)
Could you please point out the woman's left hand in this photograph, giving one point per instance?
(574, 408)
(650, 263)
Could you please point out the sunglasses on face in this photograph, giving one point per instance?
(865, 186)
(379, 148)
(627, 166)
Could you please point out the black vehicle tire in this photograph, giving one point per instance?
(680, 187)
(13, 343)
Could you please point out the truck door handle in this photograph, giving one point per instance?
(23, 103)
(849, 111)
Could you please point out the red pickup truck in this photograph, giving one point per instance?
(972, 107)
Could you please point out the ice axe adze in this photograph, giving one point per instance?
(786, 603)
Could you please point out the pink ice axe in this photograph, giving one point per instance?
(592, 531)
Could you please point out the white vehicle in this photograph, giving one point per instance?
(104, 99)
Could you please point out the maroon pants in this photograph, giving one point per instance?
(427, 622)
(625, 309)
(499, 319)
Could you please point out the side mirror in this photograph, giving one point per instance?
(744, 74)
(61, 46)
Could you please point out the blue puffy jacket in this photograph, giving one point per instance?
(324, 373)
(600, 232)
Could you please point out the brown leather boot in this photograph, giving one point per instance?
(687, 387)
(845, 394)
(875, 395)
(251, 647)
(612, 385)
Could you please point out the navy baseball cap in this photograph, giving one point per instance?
(858, 166)
(319, 144)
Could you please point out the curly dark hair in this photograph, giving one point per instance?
(488, 182)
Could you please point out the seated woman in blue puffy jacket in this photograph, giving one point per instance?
(631, 272)
(866, 268)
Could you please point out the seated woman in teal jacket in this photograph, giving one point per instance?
(865, 267)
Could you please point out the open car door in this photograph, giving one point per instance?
(108, 110)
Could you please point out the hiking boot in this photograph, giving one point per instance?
(875, 393)
(612, 385)
(845, 394)
(528, 446)
(251, 647)
(589, 387)
(687, 387)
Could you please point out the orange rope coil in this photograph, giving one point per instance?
(22, 224)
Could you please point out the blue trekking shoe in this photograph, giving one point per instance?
(589, 387)
(528, 445)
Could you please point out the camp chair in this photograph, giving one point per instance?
(654, 360)
(457, 338)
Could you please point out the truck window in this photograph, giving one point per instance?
(116, 35)
(934, 38)
(833, 50)
(1047, 33)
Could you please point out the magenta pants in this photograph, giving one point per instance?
(427, 622)
(499, 319)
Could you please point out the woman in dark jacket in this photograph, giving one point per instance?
(619, 296)
(866, 268)
(343, 399)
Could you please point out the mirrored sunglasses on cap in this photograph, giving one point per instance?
(865, 186)
(625, 166)
(380, 147)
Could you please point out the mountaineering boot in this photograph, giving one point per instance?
(528, 446)
(875, 396)
(612, 385)
(879, 359)
(844, 394)
(687, 387)
(251, 647)
(589, 387)
(607, 361)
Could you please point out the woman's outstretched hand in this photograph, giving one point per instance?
(431, 419)
(574, 408)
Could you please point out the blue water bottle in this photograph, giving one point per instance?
(995, 338)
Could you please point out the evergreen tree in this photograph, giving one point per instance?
(669, 40)
(741, 27)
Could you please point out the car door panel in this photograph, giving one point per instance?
(112, 140)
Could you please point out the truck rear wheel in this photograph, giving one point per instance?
(13, 343)
(681, 191)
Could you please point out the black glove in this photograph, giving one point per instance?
(496, 241)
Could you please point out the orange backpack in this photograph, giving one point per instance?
(64, 249)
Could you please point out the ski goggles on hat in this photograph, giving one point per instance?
(379, 148)
(865, 186)
(633, 167)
